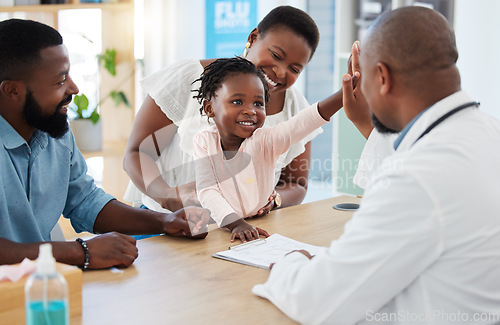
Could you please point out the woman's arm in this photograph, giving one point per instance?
(151, 133)
(292, 186)
(117, 216)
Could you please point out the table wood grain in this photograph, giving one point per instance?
(177, 281)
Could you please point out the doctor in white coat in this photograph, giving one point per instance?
(425, 245)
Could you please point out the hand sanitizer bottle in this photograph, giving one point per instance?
(46, 292)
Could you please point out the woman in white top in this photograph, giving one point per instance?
(158, 156)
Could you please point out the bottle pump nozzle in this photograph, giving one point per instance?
(46, 263)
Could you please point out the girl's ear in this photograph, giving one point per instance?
(207, 108)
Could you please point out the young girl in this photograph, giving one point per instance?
(159, 153)
(234, 160)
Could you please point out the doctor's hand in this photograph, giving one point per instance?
(355, 105)
(302, 251)
(353, 67)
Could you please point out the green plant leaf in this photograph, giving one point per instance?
(109, 58)
(87, 38)
(82, 103)
(119, 97)
(94, 117)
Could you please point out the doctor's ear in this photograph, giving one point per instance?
(384, 78)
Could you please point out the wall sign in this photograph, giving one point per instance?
(228, 23)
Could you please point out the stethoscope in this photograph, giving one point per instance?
(445, 116)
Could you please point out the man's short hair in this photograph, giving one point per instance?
(20, 44)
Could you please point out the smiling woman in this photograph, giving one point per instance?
(159, 155)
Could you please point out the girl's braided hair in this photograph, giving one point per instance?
(216, 72)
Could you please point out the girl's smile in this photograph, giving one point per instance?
(238, 108)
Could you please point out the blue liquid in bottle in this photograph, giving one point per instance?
(46, 292)
(55, 313)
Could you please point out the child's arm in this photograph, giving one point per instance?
(275, 141)
(212, 198)
(207, 187)
(330, 105)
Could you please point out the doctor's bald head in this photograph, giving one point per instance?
(412, 38)
(408, 62)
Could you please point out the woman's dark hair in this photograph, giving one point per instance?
(294, 19)
(216, 72)
(20, 44)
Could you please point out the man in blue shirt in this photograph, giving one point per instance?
(44, 175)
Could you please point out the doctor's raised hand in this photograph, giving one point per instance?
(355, 106)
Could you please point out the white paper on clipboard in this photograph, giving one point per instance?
(262, 252)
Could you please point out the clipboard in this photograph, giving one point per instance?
(264, 251)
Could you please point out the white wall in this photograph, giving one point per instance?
(174, 30)
(264, 6)
(477, 29)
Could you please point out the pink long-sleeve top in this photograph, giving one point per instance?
(243, 184)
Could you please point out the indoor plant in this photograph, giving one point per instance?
(86, 126)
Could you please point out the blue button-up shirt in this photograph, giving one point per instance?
(40, 181)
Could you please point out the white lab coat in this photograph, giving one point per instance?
(424, 246)
(377, 148)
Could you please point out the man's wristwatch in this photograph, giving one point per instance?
(277, 200)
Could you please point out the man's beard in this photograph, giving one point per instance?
(56, 125)
(381, 128)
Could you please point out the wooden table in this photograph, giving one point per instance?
(177, 281)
